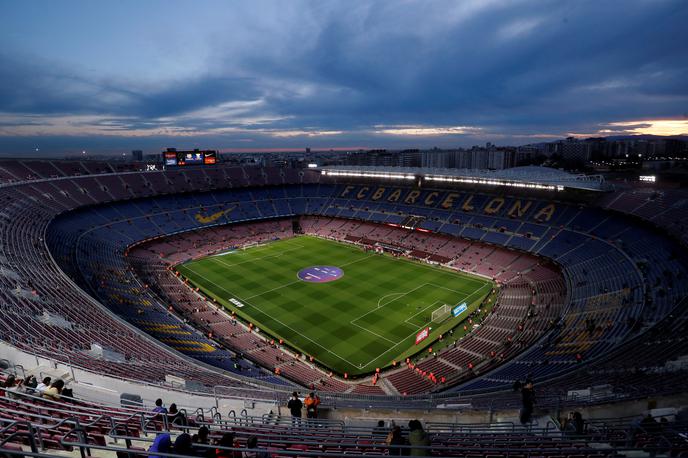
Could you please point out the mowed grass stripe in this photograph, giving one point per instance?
(387, 299)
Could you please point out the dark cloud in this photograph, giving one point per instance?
(510, 68)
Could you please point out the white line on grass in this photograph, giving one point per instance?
(355, 319)
(400, 295)
(414, 332)
(372, 332)
(418, 313)
(276, 255)
(280, 322)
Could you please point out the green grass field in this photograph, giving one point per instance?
(363, 320)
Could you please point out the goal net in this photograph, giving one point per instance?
(441, 313)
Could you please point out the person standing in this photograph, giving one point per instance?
(295, 405)
(312, 402)
(528, 401)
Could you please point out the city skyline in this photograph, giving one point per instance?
(341, 75)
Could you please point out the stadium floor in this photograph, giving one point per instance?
(351, 321)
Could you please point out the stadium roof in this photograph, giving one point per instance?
(534, 177)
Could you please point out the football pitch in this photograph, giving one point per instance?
(352, 310)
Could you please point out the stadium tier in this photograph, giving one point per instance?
(164, 277)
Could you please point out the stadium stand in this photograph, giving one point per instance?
(589, 295)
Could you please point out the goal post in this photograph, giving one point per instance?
(441, 314)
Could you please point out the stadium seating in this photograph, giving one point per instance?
(577, 283)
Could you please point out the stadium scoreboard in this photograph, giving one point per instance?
(184, 158)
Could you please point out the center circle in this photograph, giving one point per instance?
(320, 274)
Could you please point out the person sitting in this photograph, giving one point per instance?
(158, 407)
(175, 417)
(228, 440)
(201, 438)
(55, 391)
(183, 445)
(162, 444)
(44, 385)
(30, 384)
(574, 424)
(252, 449)
(380, 430)
(418, 438)
(396, 438)
(11, 385)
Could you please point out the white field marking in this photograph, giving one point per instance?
(448, 289)
(274, 289)
(400, 295)
(418, 313)
(465, 275)
(275, 255)
(372, 332)
(299, 280)
(280, 322)
(387, 295)
(414, 332)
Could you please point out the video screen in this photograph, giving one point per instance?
(195, 157)
(170, 158)
(210, 158)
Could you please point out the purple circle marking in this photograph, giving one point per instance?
(320, 274)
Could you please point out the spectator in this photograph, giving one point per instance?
(68, 395)
(312, 402)
(30, 384)
(44, 385)
(418, 439)
(182, 446)
(395, 438)
(228, 440)
(158, 407)
(55, 390)
(295, 405)
(649, 424)
(528, 402)
(202, 436)
(380, 430)
(161, 444)
(252, 449)
(578, 423)
(175, 417)
(11, 385)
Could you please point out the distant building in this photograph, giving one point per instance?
(137, 155)
(500, 159)
(410, 158)
(573, 149)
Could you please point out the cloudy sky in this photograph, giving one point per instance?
(114, 76)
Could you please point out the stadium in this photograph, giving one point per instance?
(393, 293)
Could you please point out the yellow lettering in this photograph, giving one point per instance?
(467, 207)
(412, 196)
(430, 198)
(378, 194)
(346, 191)
(494, 205)
(519, 209)
(362, 192)
(545, 213)
(448, 201)
(394, 197)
